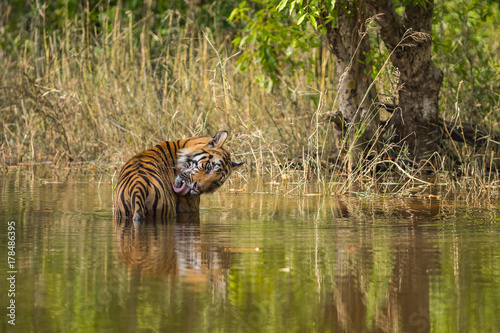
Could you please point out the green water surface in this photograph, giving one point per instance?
(252, 261)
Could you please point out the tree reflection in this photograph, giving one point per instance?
(373, 294)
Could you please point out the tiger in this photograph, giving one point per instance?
(170, 177)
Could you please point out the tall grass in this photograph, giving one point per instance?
(77, 94)
(83, 94)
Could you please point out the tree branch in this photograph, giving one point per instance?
(419, 17)
(388, 21)
(333, 38)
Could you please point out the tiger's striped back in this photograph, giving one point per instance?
(146, 182)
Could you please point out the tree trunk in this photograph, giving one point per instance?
(408, 38)
(355, 98)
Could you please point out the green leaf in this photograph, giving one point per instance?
(282, 5)
(312, 19)
(292, 7)
(301, 19)
(236, 41)
(331, 5)
(243, 40)
(234, 13)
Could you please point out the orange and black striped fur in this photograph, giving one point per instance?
(145, 184)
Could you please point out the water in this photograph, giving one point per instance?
(252, 261)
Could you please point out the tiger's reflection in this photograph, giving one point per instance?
(172, 247)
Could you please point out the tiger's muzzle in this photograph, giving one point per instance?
(182, 186)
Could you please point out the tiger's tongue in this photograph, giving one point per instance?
(183, 190)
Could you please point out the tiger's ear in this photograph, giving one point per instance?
(218, 140)
(236, 165)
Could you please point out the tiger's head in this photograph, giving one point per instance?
(204, 167)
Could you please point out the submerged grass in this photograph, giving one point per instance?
(97, 98)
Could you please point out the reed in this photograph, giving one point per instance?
(100, 96)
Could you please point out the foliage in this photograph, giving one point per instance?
(272, 40)
(21, 13)
(466, 47)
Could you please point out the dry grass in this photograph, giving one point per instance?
(83, 96)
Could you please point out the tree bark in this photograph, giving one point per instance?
(408, 39)
(355, 98)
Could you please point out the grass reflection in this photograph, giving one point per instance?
(256, 260)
